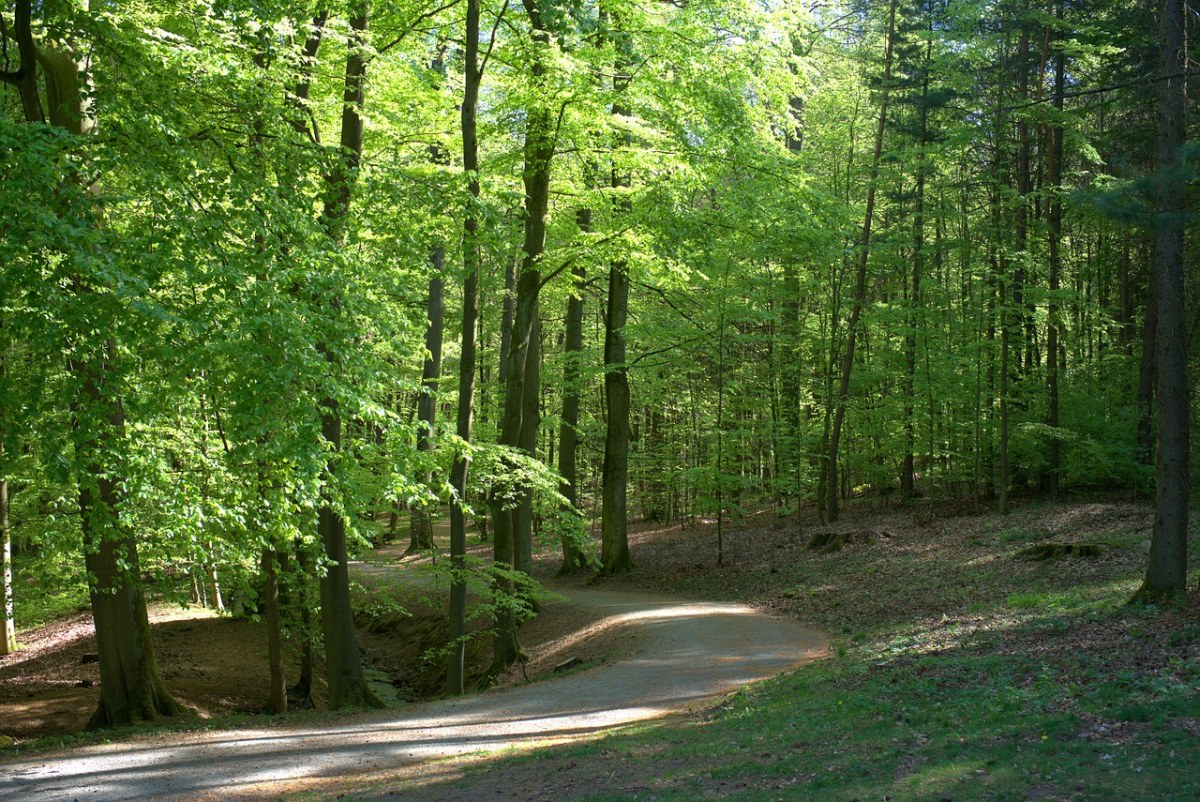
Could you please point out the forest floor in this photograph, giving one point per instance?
(959, 670)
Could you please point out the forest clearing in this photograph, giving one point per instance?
(357, 356)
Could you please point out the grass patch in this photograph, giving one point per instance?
(959, 674)
(963, 725)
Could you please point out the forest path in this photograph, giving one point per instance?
(674, 654)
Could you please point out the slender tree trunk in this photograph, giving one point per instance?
(1146, 374)
(466, 370)
(1166, 574)
(568, 433)
(270, 598)
(614, 544)
(860, 284)
(421, 521)
(527, 442)
(8, 634)
(300, 694)
(514, 430)
(1054, 223)
(791, 367)
(914, 298)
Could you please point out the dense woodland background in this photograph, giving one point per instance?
(275, 274)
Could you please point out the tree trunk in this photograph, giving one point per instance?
(527, 442)
(277, 691)
(214, 589)
(1054, 223)
(130, 687)
(343, 664)
(421, 522)
(614, 543)
(1146, 374)
(907, 473)
(1166, 574)
(8, 634)
(300, 694)
(456, 676)
(568, 432)
(860, 283)
(514, 430)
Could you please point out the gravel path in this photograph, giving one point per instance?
(675, 654)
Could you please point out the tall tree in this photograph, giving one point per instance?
(1054, 215)
(568, 436)
(519, 422)
(130, 687)
(343, 663)
(1166, 574)
(421, 522)
(860, 281)
(614, 544)
(472, 77)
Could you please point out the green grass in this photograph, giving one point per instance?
(963, 725)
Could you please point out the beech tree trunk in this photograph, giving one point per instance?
(614, 543)
(343, 664)
(8, 633)
(277, 690)
(1146, 378)
(421, 519)
(908, 471)
(510, 517)
(614, 546)
(456, 675)
(860, 282)
(130, 687)
(568, 432)
(1054, 223)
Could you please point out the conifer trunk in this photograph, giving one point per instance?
(1166, 574)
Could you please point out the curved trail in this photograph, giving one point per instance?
(683, 653)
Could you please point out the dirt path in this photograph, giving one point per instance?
(673, 654)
